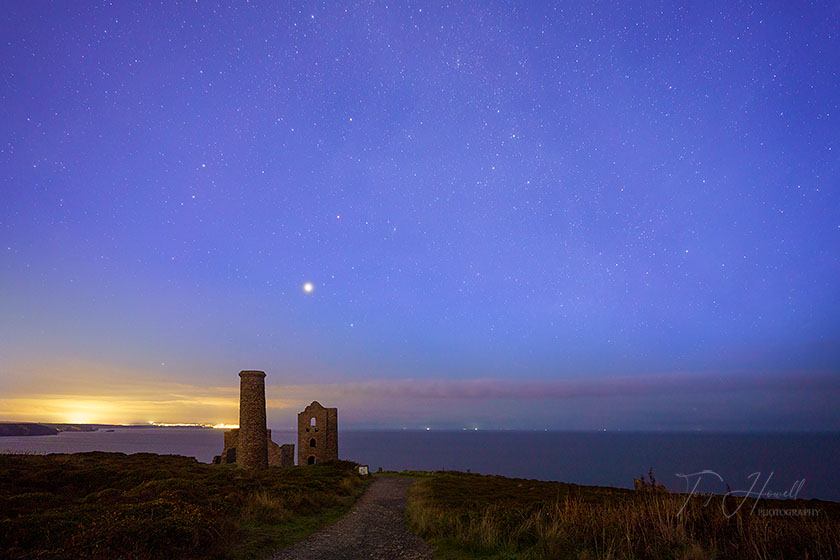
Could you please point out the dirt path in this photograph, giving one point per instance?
(374, 528)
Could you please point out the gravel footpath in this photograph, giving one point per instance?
(374, 528)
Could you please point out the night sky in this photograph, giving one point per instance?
(487, 214)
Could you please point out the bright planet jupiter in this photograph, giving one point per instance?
(516, 214)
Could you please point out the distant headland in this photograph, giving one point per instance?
(36, 429)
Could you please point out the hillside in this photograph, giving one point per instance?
(111, 505)
(492, 517)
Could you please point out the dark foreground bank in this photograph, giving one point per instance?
(111, 505)
(473, 516)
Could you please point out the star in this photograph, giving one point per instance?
(308, 287)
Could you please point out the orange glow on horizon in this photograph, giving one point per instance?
(195, 425)
(119, 410)
(212, 407)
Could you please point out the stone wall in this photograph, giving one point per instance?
(317, 434)
(278, 455)
(287, 455)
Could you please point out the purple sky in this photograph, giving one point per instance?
(512, 214)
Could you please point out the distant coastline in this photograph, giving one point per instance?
(26, 429)
(37, 429)
(17, 429)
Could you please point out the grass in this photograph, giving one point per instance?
(469, 516)
(111, 505)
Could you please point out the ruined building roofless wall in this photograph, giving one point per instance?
(317, 434)
(252, 450)
(278, 455)
(251, 447)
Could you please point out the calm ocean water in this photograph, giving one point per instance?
(594, 458)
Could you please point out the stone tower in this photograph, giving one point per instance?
(252, 416)
(317, 434)
(252, 447)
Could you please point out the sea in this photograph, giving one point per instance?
(777, 465)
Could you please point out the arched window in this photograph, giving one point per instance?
(311, 460)
(312, 442)
(312, 421)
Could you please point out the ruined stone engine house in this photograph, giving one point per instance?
(250, 445)
(317, 434)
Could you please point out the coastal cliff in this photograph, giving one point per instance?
(25, 429)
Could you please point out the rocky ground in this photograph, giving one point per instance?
(374, 528)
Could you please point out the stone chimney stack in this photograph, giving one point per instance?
(252, 452)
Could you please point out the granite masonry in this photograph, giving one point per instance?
(317, 434)
(278, 455)
(250, 446)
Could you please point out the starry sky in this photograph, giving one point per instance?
(567, 215)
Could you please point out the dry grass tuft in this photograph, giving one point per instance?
(263, 507)
(543, 520)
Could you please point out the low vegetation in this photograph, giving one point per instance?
(111, 505)
(473, 516)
